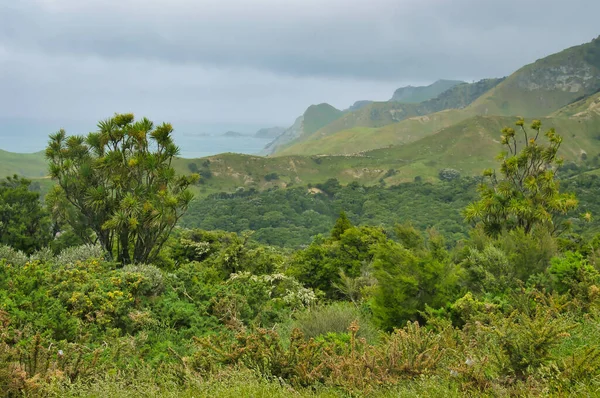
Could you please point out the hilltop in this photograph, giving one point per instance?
(410, 94)
(315, 117)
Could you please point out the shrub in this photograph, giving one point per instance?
(572, 273)
(525, 341)
(72, 255)
(449, 174)
(272, 176)
(13, 257)
(153, 282)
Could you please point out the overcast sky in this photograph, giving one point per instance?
(261, 62)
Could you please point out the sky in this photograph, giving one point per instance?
(260, 62)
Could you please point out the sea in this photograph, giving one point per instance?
(194, 140)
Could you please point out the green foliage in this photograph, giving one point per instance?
(292, 217)
(571, 273)
(121, 184)
(12, 257)
(319, 265)
(341, 225)
(24, 224)
(409, 280)
(526, 341)
(271, 177)
(527, 196)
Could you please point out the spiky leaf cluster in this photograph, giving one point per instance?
(122, 185)
(527, 194)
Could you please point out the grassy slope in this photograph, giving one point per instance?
(586, 107)
(547, 85)
(372, 121)
(31, 165)
(359, 139)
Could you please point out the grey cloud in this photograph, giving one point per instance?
(379, 39)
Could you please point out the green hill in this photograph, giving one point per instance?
(31, 165)
(547, 85)
(410, 94)
(471, 145)
(315, 117)
(585, 107)
(390, 123)
(359, 139)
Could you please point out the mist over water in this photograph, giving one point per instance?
(194, 139)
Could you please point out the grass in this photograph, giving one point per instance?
(242, 383)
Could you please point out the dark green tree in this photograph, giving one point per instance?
(527, 194)
(24, 223)
(341, 225)
(121, 182)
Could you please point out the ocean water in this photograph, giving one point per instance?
(194, 140)
(206, 145)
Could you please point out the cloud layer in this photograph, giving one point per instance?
(261, 61)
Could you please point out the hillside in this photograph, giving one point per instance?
(586, 107)
(359, 139)
(31, 165)
(342, 136)
(410, 94)
(468, 146)
(315, 117)
(547, 85)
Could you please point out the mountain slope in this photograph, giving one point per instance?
(342, 136)
(410, 94)
(547, 85)
(315, 117)
(586, 107)
(359, 139)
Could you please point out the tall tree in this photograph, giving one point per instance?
(24, 223)
(122, 184)
(527, 194)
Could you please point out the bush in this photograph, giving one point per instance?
(271, 177)
(72, 255)
(13, 257)
(153, 282)
(449, 174)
